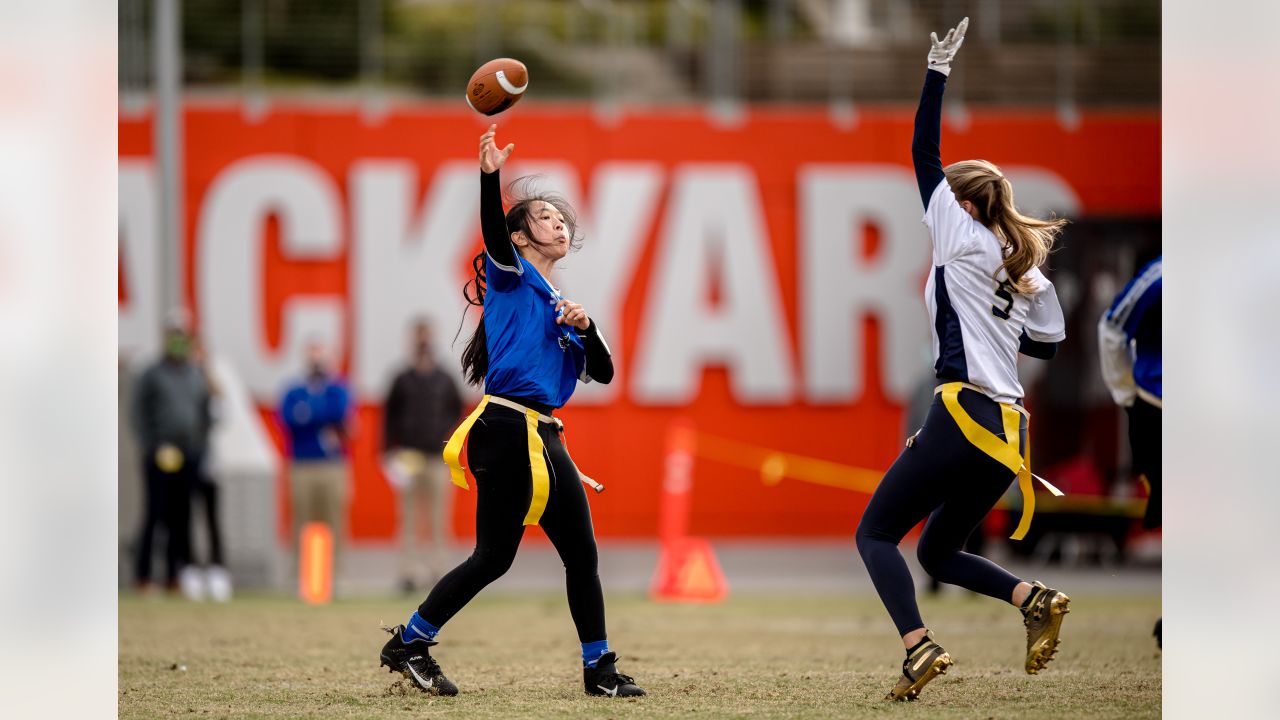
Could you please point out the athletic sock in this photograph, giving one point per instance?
(593, 651)
(417, 628)
(1030, 599)
(918, 645)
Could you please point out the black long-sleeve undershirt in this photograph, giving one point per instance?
(926, 142)
(599, 362)
(493, 222)
(1035, 348)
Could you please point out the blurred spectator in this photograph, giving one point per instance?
(1129, 336)
(315, 412)
(217, 581)
(421, 410)
(1129, 342)
(172, 421)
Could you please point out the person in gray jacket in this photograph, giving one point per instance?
(171, 417)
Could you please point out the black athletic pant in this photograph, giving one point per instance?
(498, 454)
(943, 477)
(167, 505)
(1144, 444)
(206, 489)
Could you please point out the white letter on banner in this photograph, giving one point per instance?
(614, 225)
(139, 319)
(839, 286)
(714, 227)
(409, 263)
(229, 243)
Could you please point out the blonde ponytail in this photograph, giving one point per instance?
(1027, 240)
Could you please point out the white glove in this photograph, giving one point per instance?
(942, 52)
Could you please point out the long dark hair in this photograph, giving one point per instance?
(522, 196)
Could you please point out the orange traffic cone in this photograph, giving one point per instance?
(688, 572)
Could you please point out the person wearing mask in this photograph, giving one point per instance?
(315, 413)
(422, 408)
(170, 414)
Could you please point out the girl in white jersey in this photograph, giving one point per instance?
(989, 301)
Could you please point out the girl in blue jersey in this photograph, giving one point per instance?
(530, 349)
(989, 302)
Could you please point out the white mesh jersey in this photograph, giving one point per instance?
(978, 319)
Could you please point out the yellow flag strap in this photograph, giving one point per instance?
(537, 459)
(538, 469)
(453, 448)
(1003, 451)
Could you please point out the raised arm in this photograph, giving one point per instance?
(926, 151)
(493, 221)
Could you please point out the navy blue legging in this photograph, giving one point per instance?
(943, 477)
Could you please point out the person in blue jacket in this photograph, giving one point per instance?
(315, 412)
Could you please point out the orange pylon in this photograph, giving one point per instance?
(315, 564)
(688, 572)
(687, 568)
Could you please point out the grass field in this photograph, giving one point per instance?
(516, 657)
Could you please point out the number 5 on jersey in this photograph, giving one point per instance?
(1003, 292)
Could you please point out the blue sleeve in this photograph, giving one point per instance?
(336, 405)
(1036, 349)
(1150, 296)
(286, 411)
(926, 142)
(1131, 305)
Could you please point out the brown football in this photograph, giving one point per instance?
(497, 85)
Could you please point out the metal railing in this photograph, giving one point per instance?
(1049, 52)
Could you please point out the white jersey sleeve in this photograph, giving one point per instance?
(1044, 315)
(954, 231)
(1116, 355)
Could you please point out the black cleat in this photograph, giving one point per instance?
(604, 679)
(412, 659)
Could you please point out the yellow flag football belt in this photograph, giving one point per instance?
(1003, 451)
(537, 459)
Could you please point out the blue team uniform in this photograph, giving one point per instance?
(1130, 339)
(530, 356)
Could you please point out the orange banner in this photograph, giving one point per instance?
(759, 279)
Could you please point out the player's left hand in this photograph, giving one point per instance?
(944, 51)
(571, 313)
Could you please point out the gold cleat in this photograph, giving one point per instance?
(927, 662)
(1043, 619)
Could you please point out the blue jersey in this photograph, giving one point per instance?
(315, 414)
(1129, 339)
(530, 355)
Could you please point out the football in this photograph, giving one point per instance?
(497, 85)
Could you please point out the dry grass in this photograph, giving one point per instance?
(757, 657)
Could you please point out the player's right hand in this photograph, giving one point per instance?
(491, 158)
(944, 51)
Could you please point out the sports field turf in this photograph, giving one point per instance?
(517, 656)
